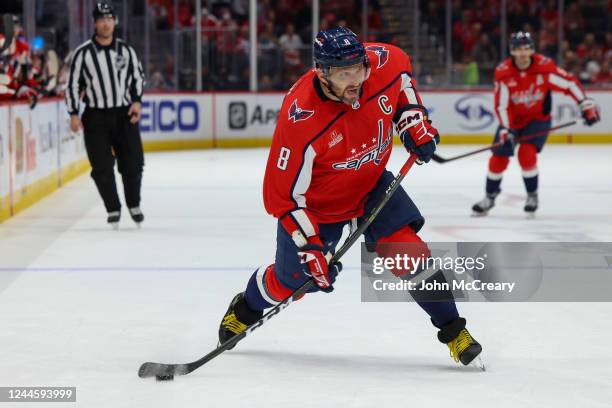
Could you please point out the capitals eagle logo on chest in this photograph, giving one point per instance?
(296, 113)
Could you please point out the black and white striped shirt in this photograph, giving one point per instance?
(108, 76)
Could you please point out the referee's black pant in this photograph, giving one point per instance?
(109, 134)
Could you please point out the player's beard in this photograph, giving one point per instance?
(350, 94)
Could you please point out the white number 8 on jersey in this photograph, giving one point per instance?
(283, 158)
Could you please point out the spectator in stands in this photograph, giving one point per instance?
(608, 44)
(291, 45)
(573, 24)
(156, 80)
(591, 72)
(487, 58)
(550, 12)
(185, 13)
(290, 41)
(547, 39)
(269, 57)
(586, 45)
(604, 77)
(374, 18)
(210, 26)
(470, 38)
(268, 39)
(422, 78)
(168, 71)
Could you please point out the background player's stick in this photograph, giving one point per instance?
(439, 159)
(167, 371)
(7, 24)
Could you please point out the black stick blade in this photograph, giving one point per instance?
(156, 369)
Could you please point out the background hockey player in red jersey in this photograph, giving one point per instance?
(523, 86)
(326, 167)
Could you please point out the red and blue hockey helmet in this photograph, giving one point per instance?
(521, 38)
(338, 47)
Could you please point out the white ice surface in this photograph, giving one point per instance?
(82, 305)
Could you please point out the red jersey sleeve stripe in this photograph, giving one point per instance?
(567, 85)
(304, 177)
(503, 98)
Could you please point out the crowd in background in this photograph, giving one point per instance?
(27, 69)
(284, 31)
(586, 49)
(284, 38)
(284, 41)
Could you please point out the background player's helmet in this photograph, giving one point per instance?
(521, 38)
(102, 10)
(338, 47)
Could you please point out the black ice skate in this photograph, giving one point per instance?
(531, 205)
(137, 215)
(237, 318)
(113, 219)
(462, 346)
(481, 208)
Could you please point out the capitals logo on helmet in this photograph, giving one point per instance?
(521, 38)
(338, 47)
(296, 113)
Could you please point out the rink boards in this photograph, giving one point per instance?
(243, 119)
(37, 153)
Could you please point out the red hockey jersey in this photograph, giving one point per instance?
(326, 156)
(524, 96)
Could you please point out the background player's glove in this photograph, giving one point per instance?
(590, 114)
(417, 134)
(324, 275)
(507, 136)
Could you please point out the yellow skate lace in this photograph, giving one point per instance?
(460, 344)
(234, 325)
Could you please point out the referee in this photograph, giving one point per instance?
(106, 73)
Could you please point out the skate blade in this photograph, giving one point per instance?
(479, 214)
(478, 363)
(530, 215)
(114, 225)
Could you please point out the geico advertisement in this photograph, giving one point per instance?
(176, 116)
(247, 115)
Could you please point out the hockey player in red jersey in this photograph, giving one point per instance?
(326, 167)
(523, 86)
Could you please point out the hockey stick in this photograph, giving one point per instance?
(167, 371)
(441, 160)
(7, 20)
